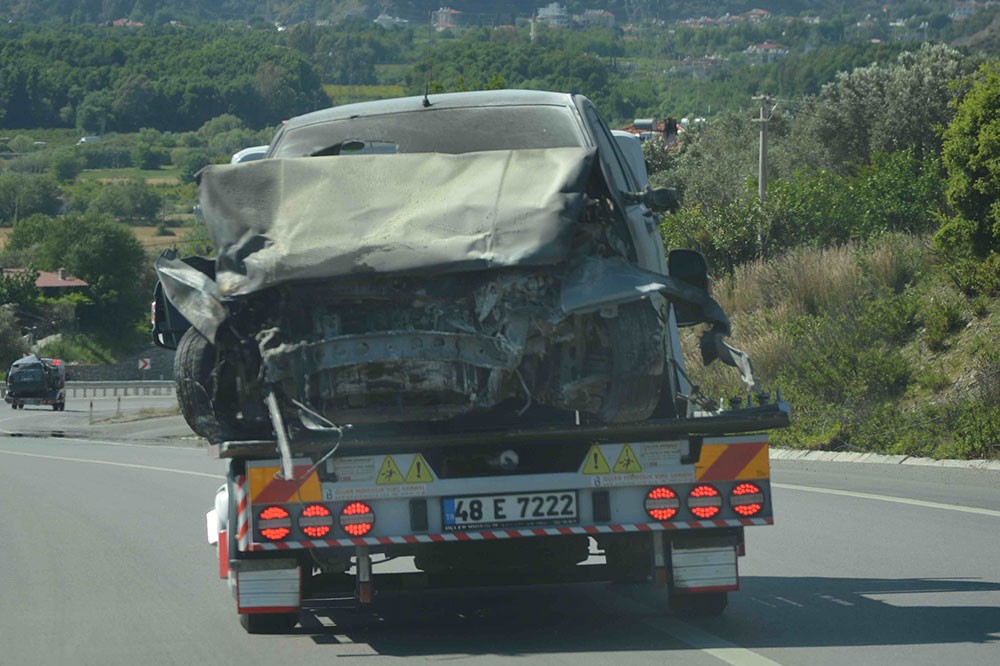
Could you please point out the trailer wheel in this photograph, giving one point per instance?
(701, 604)
(268, 623)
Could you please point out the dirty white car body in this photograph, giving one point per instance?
(426, 259)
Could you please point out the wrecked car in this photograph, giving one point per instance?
(419, 260)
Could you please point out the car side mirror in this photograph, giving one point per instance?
(690, 267)
(660, 199)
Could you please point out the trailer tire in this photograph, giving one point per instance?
(268, 623)
(702, 604)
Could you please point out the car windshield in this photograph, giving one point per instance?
(453, 130)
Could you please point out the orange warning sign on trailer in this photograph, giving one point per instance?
(267, 486)
(744, 460)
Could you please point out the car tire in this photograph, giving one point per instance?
(194, 362)
(210, 412)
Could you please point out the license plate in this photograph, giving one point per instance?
(513, 510)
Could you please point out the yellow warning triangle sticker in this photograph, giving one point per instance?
(627, 463)
(389, 473)
(419, 472)
(595, 462)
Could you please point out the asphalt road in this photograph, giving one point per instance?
(104, 562)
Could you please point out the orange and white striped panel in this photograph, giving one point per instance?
(267, 487)
(733, 458)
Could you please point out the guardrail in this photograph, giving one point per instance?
(112, 389)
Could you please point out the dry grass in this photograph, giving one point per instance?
(147, 237)
(803, 281)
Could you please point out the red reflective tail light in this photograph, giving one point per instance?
(747, 499)
(704, 501)
(357, 519)
(661, 503)
(274, 523)
(316, 521)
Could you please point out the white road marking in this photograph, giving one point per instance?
(888, 498)
(114, 464)
(714, 645)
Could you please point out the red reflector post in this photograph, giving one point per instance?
(316, 521)
(662, 503)
(704, 501)
(357, 519)
(747, 499)
(274, 523)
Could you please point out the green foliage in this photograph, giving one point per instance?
(845, 358)
(133, 201)
(65, 166)
(169, 79)
(78, 349)
(102, 252)
(970, 239)
(892, 106)
(191, 164)
(895, 193)
(22, 195)
(12, 347)
(19, 287)
(942, 315)
(148, 157)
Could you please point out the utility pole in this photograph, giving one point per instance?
(765, 115)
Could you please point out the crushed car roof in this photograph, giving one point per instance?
(443, 101)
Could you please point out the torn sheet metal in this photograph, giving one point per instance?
(193, 293)
(278, 220)
(600, 282)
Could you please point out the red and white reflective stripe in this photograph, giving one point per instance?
(242, 504)
(508, 534)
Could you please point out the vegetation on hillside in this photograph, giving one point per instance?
(881, 339)
(865, 284)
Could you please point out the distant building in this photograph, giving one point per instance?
(554, 15)
(52, 284)
(446, 18)
(758, 15)
(390, 22)
(126, 23)
(766, 52)
(963, 10)
(595, 18)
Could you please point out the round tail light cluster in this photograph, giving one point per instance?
(357, 519)
(747, 499)
(704, 501)
(316, 521)
(662, 503)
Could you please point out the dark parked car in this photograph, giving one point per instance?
(469, 255)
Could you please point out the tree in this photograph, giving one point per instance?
(889, 107)
(65, 166)
(970, 239)
(22, 195)
(131, 201)
(12, 347)
(94, 115)
(97, 249)
(19, 288)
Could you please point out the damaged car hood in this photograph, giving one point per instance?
(278, 220)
